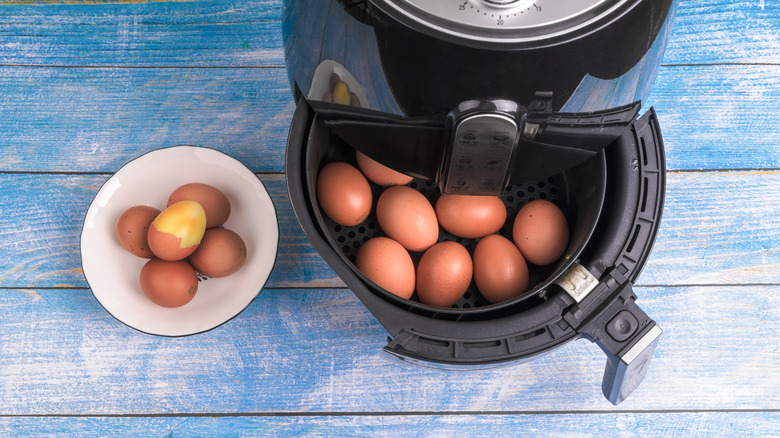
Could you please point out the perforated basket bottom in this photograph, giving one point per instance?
(553, 189)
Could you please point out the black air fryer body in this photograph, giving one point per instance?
(538, 102)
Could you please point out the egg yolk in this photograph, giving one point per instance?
(185, 220)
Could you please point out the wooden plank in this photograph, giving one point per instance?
(725, 32)
(96, 119)
(719, 117)
(718, 228)
(318, 351)
(171, 33)
(685, 424)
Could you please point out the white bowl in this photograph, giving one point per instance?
(113, 273)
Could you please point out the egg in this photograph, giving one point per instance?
(169, 284)
(344, 194)
(541, 232)
(221, 253)
(500, 271)
(386, 263)
(380, 174)
(132, 228)
(407, 217)
(443, 274)
(341, 93)
(470, 217)
(177, 231)
(353, 99)
(213, 201)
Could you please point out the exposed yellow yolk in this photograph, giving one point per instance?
(185, 220)
(341, 94)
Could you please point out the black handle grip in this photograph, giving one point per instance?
(623, 331)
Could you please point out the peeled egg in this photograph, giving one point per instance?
(443, 274)
(386, 263)
(169, 284)
(132, 229)
(344, 193)
(380, 174)
(541, 232)
(221, 253)
(406, 216)
(500, 271)
(213, 201)
(470, 217)
(341, 93)
(177, 231)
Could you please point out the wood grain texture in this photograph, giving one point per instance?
(585, 425)
(719, 117)
(95, 120)
(169, 33)
(318, 351)
(725, 32)
(718, 228)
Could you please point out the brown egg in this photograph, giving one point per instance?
(471, 217)
(379, 173)
(385, 262)
(541, 232)
(500, 272)
(169, 284)
(344, 194)
(176, 232)
(407, 217)
(443, 274)
(132, 229)
(213, 201)
(221, 253)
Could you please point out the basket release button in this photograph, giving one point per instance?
(622, 326)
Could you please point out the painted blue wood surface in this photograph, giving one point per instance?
(318, 351)
(585, 425)
(86, 86)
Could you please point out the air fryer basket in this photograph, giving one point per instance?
(579, 192)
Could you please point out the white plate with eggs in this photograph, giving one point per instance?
(113, 273)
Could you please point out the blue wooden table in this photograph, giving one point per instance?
(87, 86)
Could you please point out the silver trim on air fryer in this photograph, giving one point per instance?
(479, 156)
(578, 282)
(646, 341)
(514, 22)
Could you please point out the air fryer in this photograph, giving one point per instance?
(521, 99)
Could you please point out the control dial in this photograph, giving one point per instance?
(507, 20)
